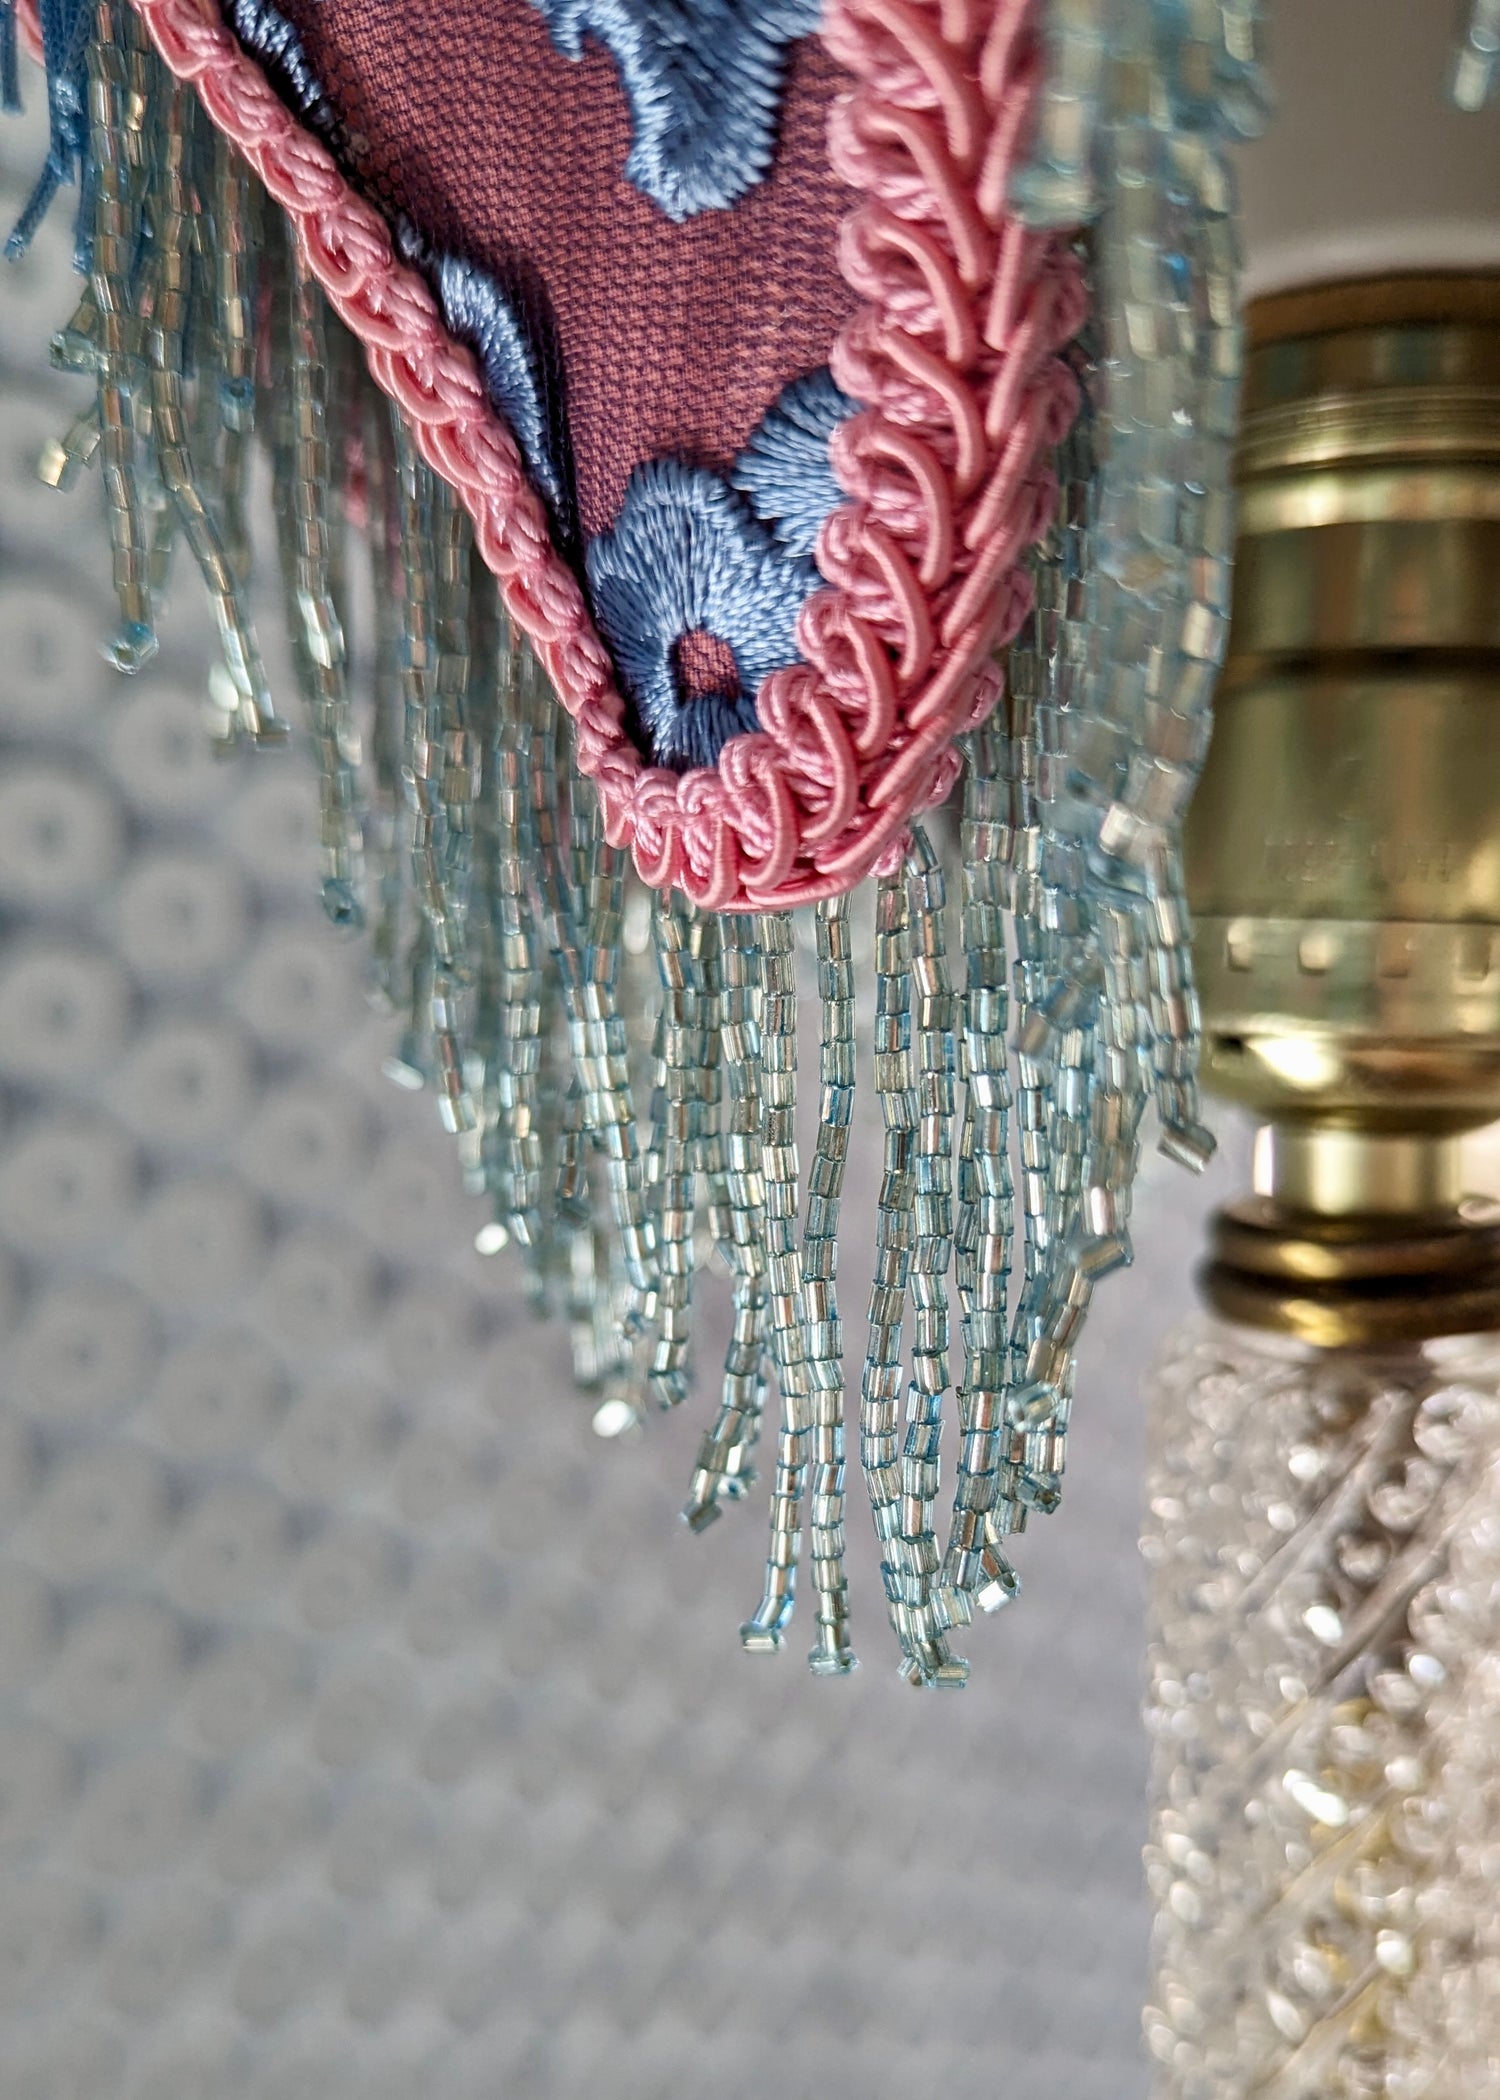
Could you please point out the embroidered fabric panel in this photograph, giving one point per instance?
(674, 340)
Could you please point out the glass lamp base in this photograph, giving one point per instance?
(1323, 1536)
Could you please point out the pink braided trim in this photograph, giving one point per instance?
(954, 354)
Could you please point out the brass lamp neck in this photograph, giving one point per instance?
(1343, 852)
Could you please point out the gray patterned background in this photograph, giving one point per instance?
(367, 1726)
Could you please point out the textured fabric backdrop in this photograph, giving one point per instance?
(367, 1726)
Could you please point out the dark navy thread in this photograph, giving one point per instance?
(10, 76)
(685, 557)
(703, 79)
(65, 28)
(785, 470)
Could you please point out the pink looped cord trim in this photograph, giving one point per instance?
(953, 354)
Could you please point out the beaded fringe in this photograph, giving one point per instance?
(620, 1068)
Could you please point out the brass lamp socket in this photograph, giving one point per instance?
(1343, 850)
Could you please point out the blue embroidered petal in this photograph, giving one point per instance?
(498, 326)
(476, 311)
(478, 314)
(269, 37)
(686, 568)
(703, 79)
(785, 469)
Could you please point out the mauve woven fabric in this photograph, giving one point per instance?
(674, 339)
(706, 665)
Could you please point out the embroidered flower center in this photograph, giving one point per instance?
(703, 665)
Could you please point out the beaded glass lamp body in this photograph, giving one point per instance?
(1324, 1543)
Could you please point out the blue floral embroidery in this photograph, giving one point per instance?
(497, 323)
(703, 79)
(686, 559)
(785, 470)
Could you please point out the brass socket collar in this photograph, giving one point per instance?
(1371, 1282)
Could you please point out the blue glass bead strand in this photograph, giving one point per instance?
(10, 75)
(1212, 60)
(390, 912)
(233, 237)
(1059, 182)
(309, 488)
(118, 153)
(723, 1471)
(581, 882)
(766, 1629)
(1056, 979)
(515, 1047)
(551, 1168)
(973, 1567)
(900, 1471)
(1475, 75)
(1206, 57)
(935, 1049)
(601, 1043)
(456, 761)
(1084, 913)
(456, 752)
(424, 509)
(415, 507)
(67, 28)
(678, 938)
(831, 1654)
(488, 639)
(173, 329)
